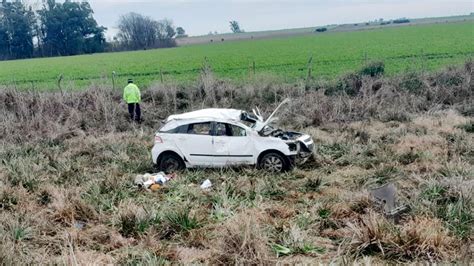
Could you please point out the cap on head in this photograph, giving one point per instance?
(130, 80)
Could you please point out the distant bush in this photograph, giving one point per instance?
(401, 20)
(321, 30)
(385, 23)
(373, 69)
(411, 82)
(349, 84)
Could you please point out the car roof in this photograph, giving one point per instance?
(209, 113)
(205, 115)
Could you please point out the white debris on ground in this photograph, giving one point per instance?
(206, 184)
(153, 182)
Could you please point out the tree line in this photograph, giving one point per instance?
(69, 28)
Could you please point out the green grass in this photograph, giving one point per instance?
(333, 53)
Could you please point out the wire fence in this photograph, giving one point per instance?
(308, 68)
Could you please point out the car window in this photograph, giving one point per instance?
(177, 130)
(221, 129)
(200, 128)
(238, 131)
(229, 130)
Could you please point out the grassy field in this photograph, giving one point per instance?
(427, 47)
(311, 30)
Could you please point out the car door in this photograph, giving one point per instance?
(232, 144)
(196, 143)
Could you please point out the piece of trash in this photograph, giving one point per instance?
(155, 187)
(148, 181)
(206, 184)
(387, 196)
(79, 225)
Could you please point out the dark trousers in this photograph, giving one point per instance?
(134, 111)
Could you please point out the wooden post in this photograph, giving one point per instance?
(60, 78)
(310, 67)
(249, 69)
(422, 62)
(253, 67)
(205, 66)
(113, 80)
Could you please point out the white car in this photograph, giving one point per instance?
(227, 137)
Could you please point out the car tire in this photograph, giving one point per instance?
(273, 162)
(170, 163)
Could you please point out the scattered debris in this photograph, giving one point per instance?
(80, 224)
(155, 187)
(206, 184)
(386, 196)
(153, 182)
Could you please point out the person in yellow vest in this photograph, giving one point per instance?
(132, 96)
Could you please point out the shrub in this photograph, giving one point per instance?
(411, 82)
(373, 69)
(313, 184)
(181, 220)
(450, 205)
(349, 84)
(321, 29)
(468, 127)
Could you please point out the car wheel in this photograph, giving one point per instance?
(170, 163)
(273, 162)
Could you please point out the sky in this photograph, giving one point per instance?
(199, 17)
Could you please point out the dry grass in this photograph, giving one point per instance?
(68, 162)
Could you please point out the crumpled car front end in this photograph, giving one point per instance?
(300, 143)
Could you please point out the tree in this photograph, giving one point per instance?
(165, 30)
(69, 28)
(139, 32)
(16, 30)
(180, 32)
(235, 27)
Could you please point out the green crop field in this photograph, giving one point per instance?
(427, 47)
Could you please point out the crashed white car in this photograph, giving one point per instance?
(227, 137)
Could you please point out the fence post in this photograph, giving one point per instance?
(206, 67)
(310, 67)
(249, 69)
(60, 78)
(422, 62)
(113, 80)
